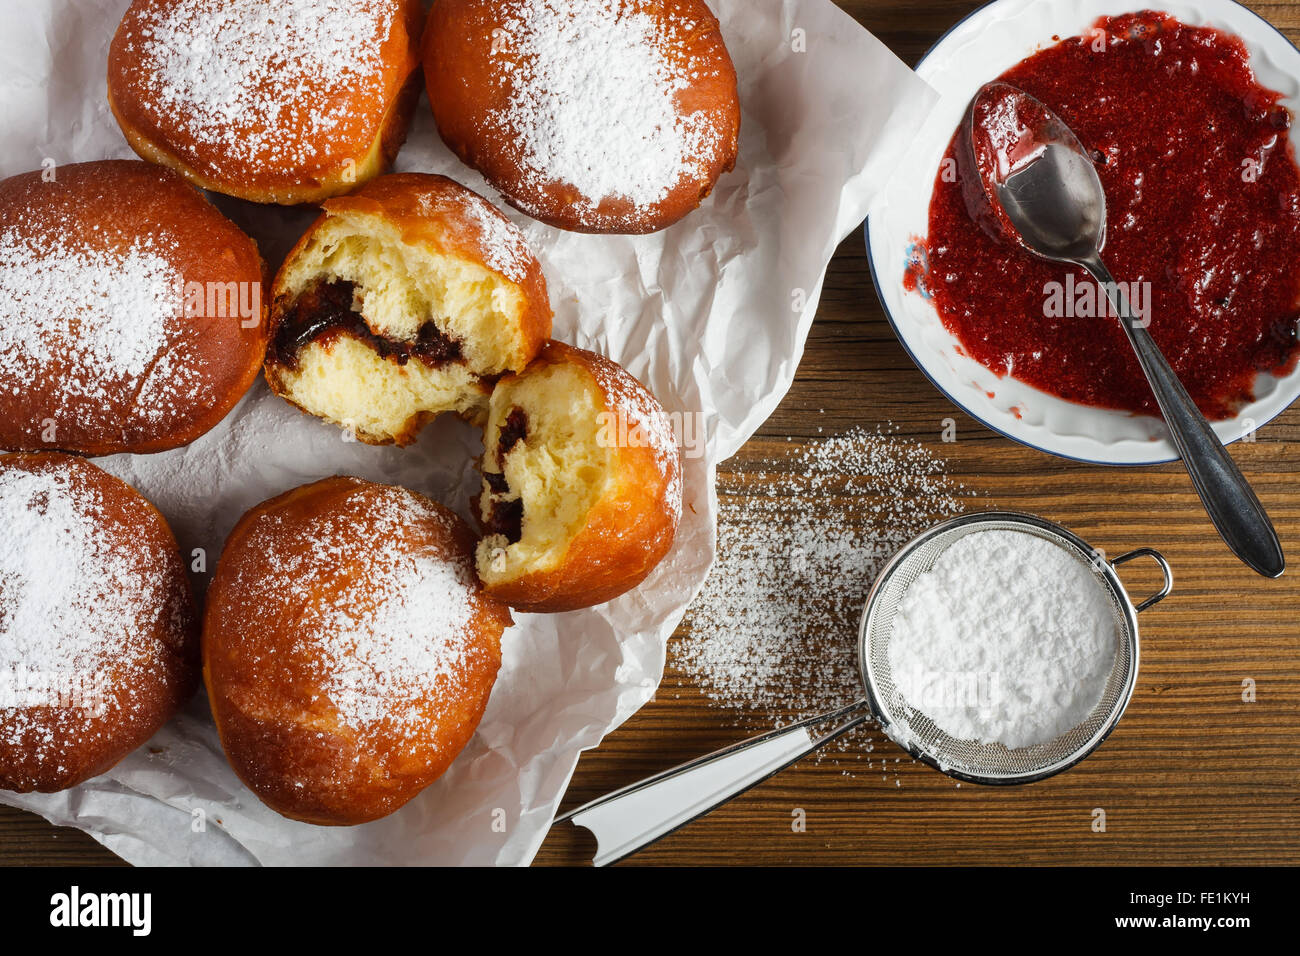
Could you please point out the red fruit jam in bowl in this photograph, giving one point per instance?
(1203, 211)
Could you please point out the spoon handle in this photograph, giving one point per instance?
(1228, 498)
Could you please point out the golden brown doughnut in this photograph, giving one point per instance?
(404, 300)
(274, 101)
(582, 487)
(98, 635)
(348, 650)
(602, 116)
(132, 313)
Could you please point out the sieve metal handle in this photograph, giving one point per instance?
(1159, 559)
(634, 817)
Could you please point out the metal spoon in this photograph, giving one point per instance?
(1043, 191)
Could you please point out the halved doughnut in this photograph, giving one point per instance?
(582, 488)
(403, 301)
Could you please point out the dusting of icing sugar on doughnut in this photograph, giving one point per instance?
(117, 306)
(594, 102)
(393, 642)
(403, 648)
(504, 247)
(635, 408)
(74, 606)
(253, 77)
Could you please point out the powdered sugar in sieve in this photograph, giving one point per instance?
(635, 816)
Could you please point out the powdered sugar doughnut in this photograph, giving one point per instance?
(284, 101)
(131, 311)
(601, 116)
(582, 485)
(98, 636)
(347, 648)
(404, 301)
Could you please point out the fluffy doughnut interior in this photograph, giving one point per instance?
(544, 467)
(347, 382)
(379, 334)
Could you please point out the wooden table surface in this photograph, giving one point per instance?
(1193, 775)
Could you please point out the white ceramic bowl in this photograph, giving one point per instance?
(988, 42)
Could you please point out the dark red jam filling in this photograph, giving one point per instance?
(507, 517)
(1203, 197)
(512, 432)
(325, 311)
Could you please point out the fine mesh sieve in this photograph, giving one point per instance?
(628, 819)
(968, 759)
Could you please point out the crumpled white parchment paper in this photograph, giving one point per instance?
(711, 314)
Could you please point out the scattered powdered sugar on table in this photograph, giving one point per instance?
(1007, 639)
(253, 77)
(117, 306)
(71, 602)
(774, 631)
(593, 100)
